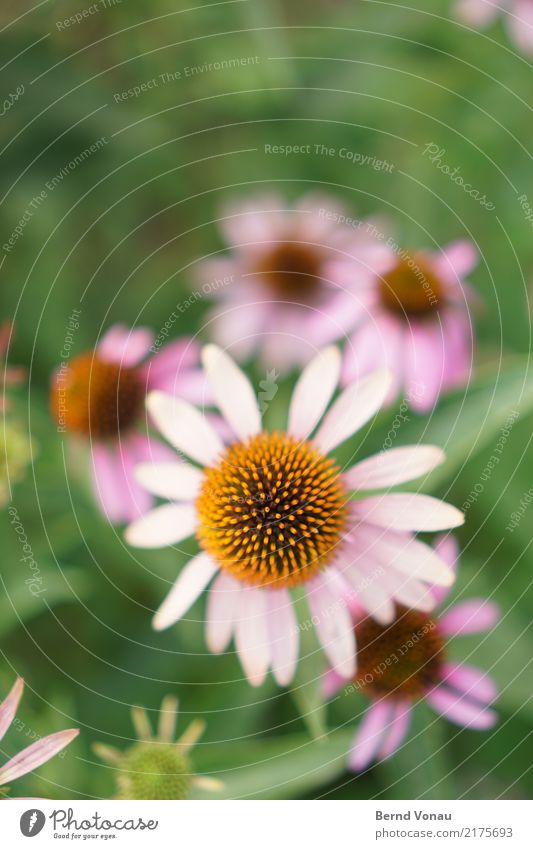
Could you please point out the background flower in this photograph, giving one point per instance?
(518, 18)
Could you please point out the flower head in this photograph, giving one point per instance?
(157, 767)
(518, 16)
(407, 660)
(99, 396)
(277, 292)
(417, 321)
(35, 755)
(273, 511)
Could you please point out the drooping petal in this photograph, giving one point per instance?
(166, 525)
(313, 392)
(461, 711)
(251, 635)
(470, 617)
(332, 683)
(378, 344)
(520, 25)
(408, 512)
(175, 481)
(352, 409)
(190, 583)
(397, 731)
(456, 260)
(370, 735)
(373, 594)
(333, 623)
(424, 364)
(184, 427)
(9, 706)
(125, 346)
(165, 367)
(447, 548)
(222, 612)
(36, 755)
(404, 553)
(395, 466)
(283, 631)
(474, 683)
(109, 482)
(233, 392)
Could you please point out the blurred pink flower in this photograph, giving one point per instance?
(416, 321)
(38, 753)
(405, 661)
(518, 16)
(272, 512)
(99, 395)
(277, 292)
(11, 375)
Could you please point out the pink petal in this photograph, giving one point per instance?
(470, 681)
(458, 348)
(36, 755)
(397, 730)
(395, 466)
(408, 512)
(459, 710)
(125, 346)
(332, 682)
(352, 409)
(370, 736)
(313, 392)
(190, 583)
(9, 706)
(251, 635)
(373, 595)
(253, 221)
(404, 553)
(109, 482)
(424, 364)
(238, 328)
(378, 344)
(333, 624)
(233, 392)
(222, 612)
(283, 631)
(137, 501)
(520, 25)
(479, 13)
(455, 261)
(171, 360)
(470, 617)
(447, 548)
(165, 525)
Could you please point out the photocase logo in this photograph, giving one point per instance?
(32, 822)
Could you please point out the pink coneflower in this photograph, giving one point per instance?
(272, 512)
(32, 756)
(405, 661)
(277, 292)
(417, 322)
(518, 16)
(99, 395)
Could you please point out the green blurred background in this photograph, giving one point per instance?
(118, 238)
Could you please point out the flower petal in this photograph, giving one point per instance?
(474, 683)
(222, 611)
(447, 548)
(251, 635)
(352, 409)
(125, 346)
(333, 624)
(109, 483)
(184, 427)
(395, 466)
(370, 735)
(9, 706)
(176, 481)
(470, 617)
(408, 512)
(313, 392)
(233, 392)
(166, 525)
(332, 683)
(460, 710)
(283, 631)
(456, 260)
(405, 554)
(36, 755)
(190, 583)
(397, 731)
(375, 597)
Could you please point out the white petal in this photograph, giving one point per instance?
(394, 466)
(313, 392)
(333, 624)
(192, 580)
(251, 635)
(233, 392)
(376, 600)
(357, 404)
(408, 512)
(283, 630)
(176, 481)
(184, 427)
(406, 554)
(163, 526)
(410, 592)
(222, 611)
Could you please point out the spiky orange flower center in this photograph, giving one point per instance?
(272, 511)
(403, 659)
(93, 397)
(292, 270)
(411, 288)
